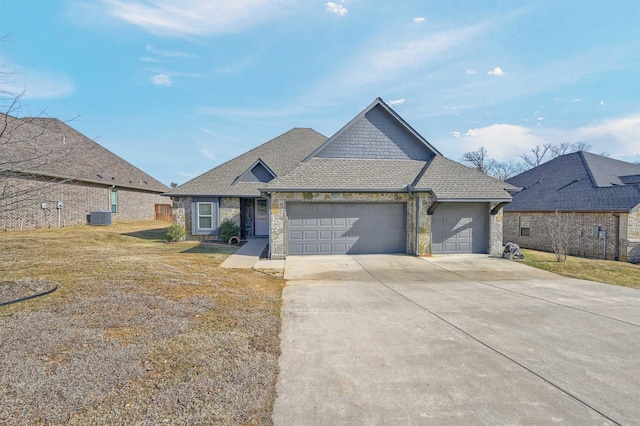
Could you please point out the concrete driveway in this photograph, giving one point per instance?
(385, 339)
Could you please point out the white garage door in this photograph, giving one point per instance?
(342, 228)
(460, 228)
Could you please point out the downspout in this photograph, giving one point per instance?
(616, 252)
(417, 219)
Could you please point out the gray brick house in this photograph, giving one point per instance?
(602, 193)
(376, 186)
(51, 175)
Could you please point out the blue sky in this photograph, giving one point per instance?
(178, 87)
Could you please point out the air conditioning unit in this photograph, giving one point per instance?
(100, 218)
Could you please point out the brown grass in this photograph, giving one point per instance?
(604, 271)
(138, 332)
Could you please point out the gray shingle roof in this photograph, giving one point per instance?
(450, 180)
(579, 181)
(281, 155)
(332, 174)
(49, 147)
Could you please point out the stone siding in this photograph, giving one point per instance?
(230, 210)
(633, 235)
(79, 200)
(377, 135)
(495, 230)
(278, 235)
(583, 243)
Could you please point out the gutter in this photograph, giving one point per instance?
(334, 189)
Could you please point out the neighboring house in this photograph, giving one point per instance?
(603, 193)
(376, 186)
(51, 175)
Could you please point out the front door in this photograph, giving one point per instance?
(262, 218)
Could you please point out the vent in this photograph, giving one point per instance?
(100, 218)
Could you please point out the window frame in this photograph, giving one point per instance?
(524, 226)
(113, 195)
(195, 216)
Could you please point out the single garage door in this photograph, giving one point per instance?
(460, 228)
(342, 228)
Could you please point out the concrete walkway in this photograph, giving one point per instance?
(248, 257)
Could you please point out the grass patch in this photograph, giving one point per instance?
(138, 332)
(604, 271)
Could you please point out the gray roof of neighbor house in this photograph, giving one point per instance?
(49, 147)
(281, 155)
(579, 181)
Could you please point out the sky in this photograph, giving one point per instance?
(179, 87)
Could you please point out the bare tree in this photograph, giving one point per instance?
(559, 229)
(479, 160)
(568, 148)
(504, 170)
(537, 155)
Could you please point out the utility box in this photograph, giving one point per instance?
(100, 218)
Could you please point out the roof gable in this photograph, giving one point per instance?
(279, 156)
(258, 172)
(377, 132)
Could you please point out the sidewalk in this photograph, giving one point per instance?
(248, 257)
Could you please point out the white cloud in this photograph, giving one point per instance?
(167, 53)
(161, 80)
(35, 83)
(602, 103)
(195, 17)
(502, 141)
(471, 72)
(617, 136)
(207, 153)
(392, 57)
(418, 20)
(496, 71)
(148, 59)
(396, 102)
(540, 118)
(338, 9)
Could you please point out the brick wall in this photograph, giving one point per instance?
(583, 241)
(79, 199)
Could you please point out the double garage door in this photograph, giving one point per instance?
(460, 228)
(343, 228)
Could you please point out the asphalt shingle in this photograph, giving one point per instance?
(49, 147)
(578, 181)
(281, 154)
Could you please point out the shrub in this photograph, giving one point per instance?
(176, 232)
(228, 229)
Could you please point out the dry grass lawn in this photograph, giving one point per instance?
(604, 271)
(138, 332)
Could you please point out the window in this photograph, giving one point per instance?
(525, 226)
(205, 216)
(114, 201)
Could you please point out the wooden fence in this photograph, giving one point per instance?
(163, 212)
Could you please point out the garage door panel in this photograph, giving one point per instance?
(355, 228)
(460, 228)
